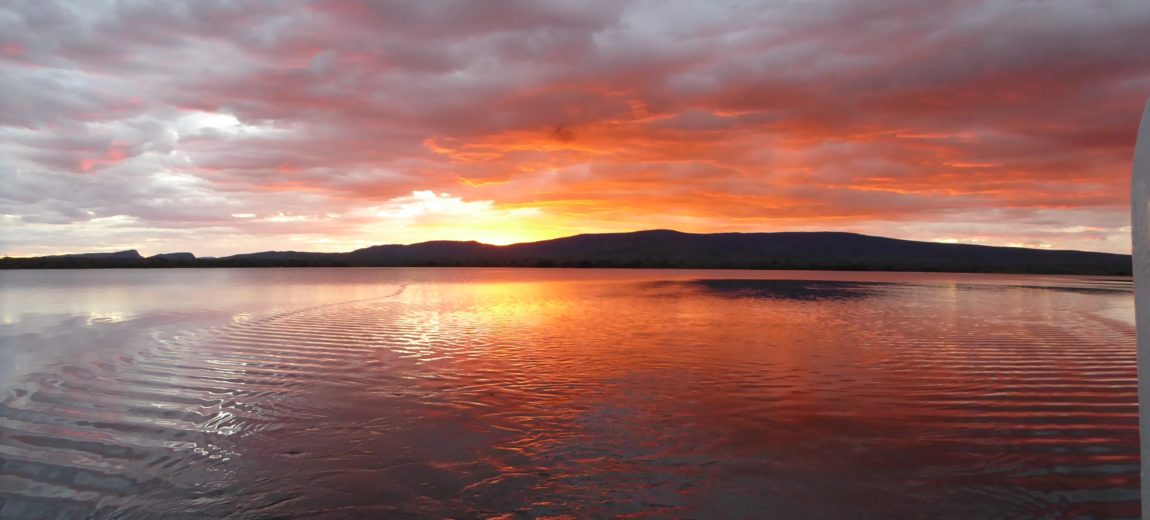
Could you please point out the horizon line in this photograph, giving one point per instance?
(936, 241)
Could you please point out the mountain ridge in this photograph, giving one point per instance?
(656, 248)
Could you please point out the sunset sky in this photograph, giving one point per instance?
(222, 127)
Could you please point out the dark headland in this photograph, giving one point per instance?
(648, 249)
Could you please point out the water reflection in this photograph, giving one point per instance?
(106, 317)
(476, 393)
(800, 290)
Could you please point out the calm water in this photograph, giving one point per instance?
(333, 393)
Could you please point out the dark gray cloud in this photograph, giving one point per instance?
(131, 118)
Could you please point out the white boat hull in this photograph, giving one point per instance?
(1140, 220)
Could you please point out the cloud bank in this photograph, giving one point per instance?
(224, 127)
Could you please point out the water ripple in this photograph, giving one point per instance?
(681, 398)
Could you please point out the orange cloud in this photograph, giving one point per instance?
(947, 120)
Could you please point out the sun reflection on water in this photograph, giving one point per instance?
(439, 393)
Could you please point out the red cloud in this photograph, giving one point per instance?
(871, 114)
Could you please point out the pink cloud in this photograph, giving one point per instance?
(873, 116)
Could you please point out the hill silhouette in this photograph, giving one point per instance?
(651, 249)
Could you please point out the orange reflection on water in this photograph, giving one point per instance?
(428, 392)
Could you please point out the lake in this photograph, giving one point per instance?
(433, 393)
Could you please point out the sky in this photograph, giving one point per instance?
(221, 127)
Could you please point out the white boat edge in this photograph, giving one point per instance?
(1140, 241)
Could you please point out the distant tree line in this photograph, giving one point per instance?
(936, 265)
